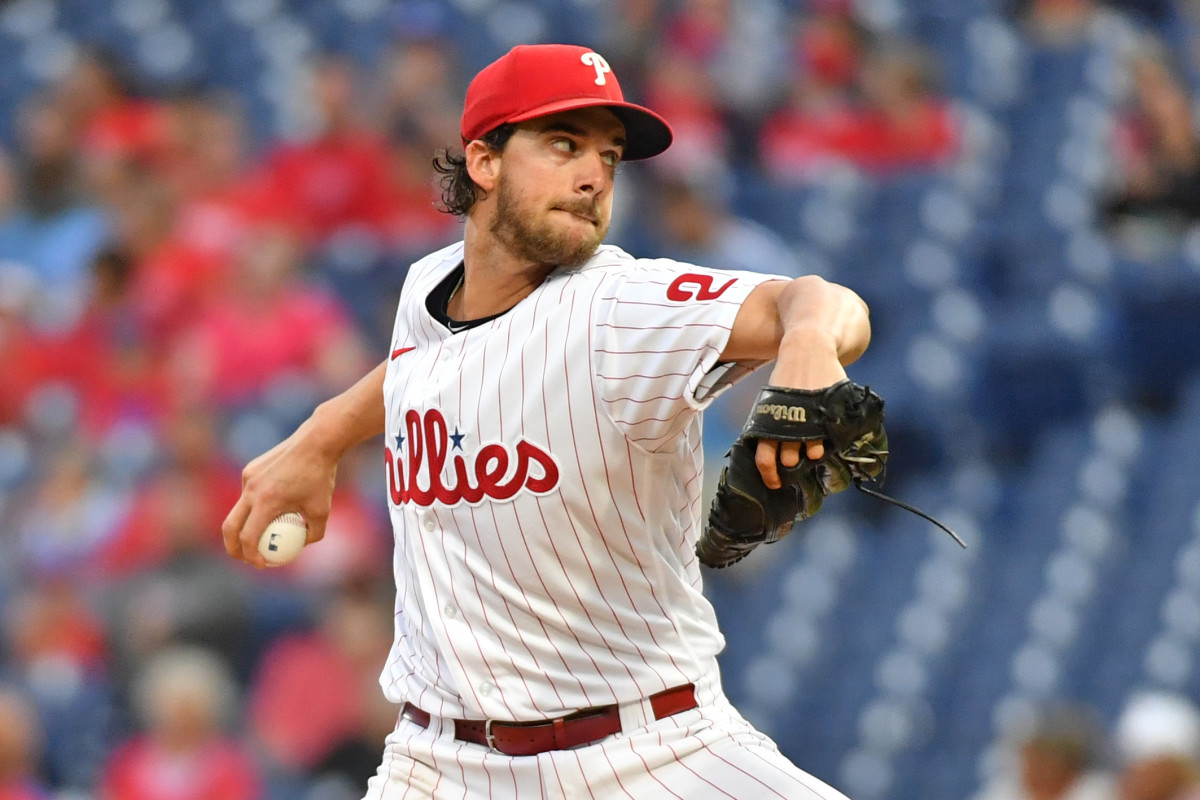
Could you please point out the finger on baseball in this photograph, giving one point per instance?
(252, 531)
(764, 459)
(815, 449)
(231, 528)
(316, 528)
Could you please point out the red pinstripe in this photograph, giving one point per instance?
(663, 327)
(575, 531)
(583, 772)
(625, 399)
(703, 779)
(553, 543)
(500, 541)
(655, 376)
(608, 478)
(408, 783)
(643, 420)
(673, 304)
(591, 508)
(645, 352)
(650, 772)
(453, 591)
(557, 777)
(632, 469)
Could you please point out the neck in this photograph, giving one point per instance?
(494, 279)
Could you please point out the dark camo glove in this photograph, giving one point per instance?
(847, 417)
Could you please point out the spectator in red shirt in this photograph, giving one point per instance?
(183, 501)
(335, 178)
(269, 325)
(298, 728)
(172, 279)
(220, 194)
(51, 625)
(893, 121)
(113, 126)
(108, 357)
(25, 364)
(680, 88)
(802, 135)
(411, 223)
(183, 700)
(903, 124)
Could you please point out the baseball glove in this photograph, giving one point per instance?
(847, 417)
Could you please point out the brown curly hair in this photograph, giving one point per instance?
(459, 192)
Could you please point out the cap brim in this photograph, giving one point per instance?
(646, 133)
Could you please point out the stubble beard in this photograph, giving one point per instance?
(536, 239)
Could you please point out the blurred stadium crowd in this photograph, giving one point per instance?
(206, 212)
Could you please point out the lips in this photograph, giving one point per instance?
(586, 213)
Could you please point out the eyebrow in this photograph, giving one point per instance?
(558, 126)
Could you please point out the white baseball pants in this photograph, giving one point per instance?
(708, 752)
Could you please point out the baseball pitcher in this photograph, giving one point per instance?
(541, 410)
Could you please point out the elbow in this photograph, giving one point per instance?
(842, 313)
(857, 330)
(859, 333)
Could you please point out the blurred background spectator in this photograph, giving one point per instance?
(1060, 756)
(1158, 736)
(185, 700)
(207, 211)
(20, 748)
(1157, 149)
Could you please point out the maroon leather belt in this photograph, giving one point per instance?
(582, 727)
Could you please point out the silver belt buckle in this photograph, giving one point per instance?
(488, 736)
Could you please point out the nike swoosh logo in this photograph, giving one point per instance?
(401, 351)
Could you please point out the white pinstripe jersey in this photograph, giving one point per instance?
(544, 481)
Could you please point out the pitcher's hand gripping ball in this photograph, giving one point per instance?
(283, 539)
(847, 417)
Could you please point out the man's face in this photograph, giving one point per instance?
(554, 189)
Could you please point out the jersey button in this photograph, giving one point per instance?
(485, 689)
(429, 523)
(451, 611)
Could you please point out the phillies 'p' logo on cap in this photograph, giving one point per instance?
(602, 68)
(535, 80)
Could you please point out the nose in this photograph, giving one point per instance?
(593, 175)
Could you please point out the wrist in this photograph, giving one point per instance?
(809, 339)
(324, 432)
(808, 359)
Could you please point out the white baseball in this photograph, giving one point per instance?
(283, 539)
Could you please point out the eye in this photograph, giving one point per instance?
(563, 145)
(611, 158)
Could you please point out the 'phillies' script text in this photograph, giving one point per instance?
(485, 474)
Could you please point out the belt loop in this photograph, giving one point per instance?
(560, 734)
(488, 736)
(636, 714)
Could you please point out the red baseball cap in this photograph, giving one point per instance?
(535, 80)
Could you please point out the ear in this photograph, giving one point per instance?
(483, 164)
